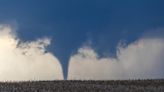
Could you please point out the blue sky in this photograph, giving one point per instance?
(72, 23)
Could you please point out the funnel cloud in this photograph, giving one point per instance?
(23, 61)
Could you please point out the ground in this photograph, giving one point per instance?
(84, 86)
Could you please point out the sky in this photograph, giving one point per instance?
(97, 27)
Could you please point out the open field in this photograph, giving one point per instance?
(84, 86)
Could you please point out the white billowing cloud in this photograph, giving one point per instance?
(26, 60)
(140, 60)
